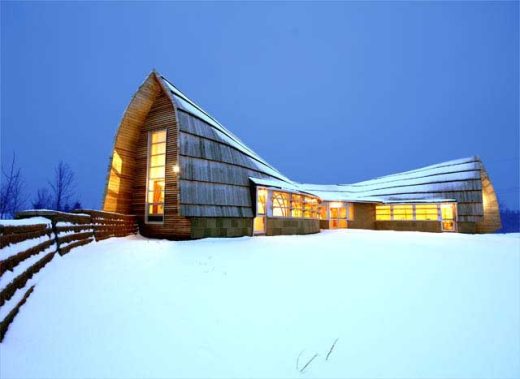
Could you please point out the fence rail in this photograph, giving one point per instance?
(30, 242)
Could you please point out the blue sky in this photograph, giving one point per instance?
(327, 92)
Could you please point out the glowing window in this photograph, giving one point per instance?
(338, 213)
(403, 212)
(261, 201)
(383, 212)
(297, 206)
(156, 176)
(323, 213)
(447, 212)
(310, 207)
(426, 212)
(281, 204)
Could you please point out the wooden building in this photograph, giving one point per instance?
(184, 176)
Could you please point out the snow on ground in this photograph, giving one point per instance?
(400, 304)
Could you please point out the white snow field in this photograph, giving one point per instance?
(398, 305)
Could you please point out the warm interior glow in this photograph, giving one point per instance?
(323, 213)
(281, 204)
(447, 212)
(383, 212)
(403, 212)
(297, 206)
(156, 175)
(261, 201)
(259, 225)
(117, 163)
(286, 204)
(338, 213)
(426, 212)
(418, 212)
(310, 207)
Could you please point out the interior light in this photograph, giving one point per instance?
(176, 169)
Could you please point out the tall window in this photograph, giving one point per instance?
(156, 175)
(297, 206)
(261, 210)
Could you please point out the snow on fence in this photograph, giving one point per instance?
(31, 241)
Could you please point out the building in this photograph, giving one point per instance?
(184, 176)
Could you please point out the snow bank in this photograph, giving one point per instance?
(399, 304)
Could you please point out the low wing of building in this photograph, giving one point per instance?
(184, 175)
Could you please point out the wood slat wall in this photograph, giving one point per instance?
(119, 187)
(151, 109)
(490, 222)
(161, 116)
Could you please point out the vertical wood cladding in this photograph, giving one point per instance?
(150, 109)
(161, 116)
(490, 221)
(119, 186)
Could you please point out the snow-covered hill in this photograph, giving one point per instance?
(396, 304)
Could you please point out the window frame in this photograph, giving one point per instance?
(438, 207)
(148, 171)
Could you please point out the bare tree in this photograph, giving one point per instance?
(11, 190)
(62, 187)
(43, 199)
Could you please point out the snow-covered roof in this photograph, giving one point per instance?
(434, 183)
(430, 182)
(186, 104)
(427, 184)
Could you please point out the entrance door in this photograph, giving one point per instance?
(448, 221)
(338, 215)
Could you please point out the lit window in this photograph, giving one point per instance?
(447, 212)
(426, 212)
(261, 201)
(156, 176)
(281, 204)
(383, 212)
(403, 212)
(323, 213)
(310, 207)
(297, 206)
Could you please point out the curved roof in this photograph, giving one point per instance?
(217, 169)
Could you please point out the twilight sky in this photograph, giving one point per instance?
(326, 92)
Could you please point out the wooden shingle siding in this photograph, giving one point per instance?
(214, 172)
(217, 174)
(214, 194)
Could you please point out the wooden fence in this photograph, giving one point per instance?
(30, 242)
